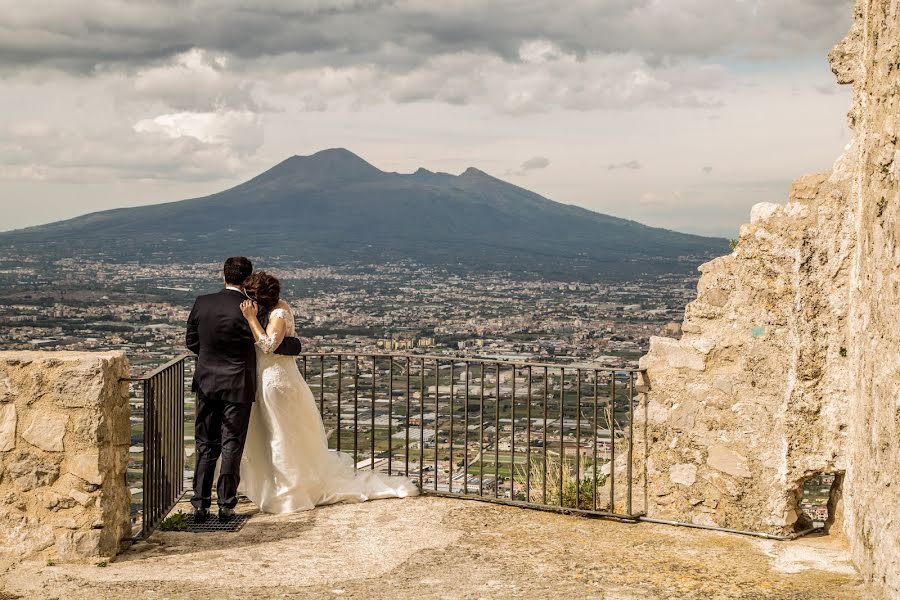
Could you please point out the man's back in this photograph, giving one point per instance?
(220, 336)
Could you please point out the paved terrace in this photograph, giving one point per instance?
(444, 548)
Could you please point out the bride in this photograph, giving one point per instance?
(287, 465)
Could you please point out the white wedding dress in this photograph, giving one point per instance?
(287, 466)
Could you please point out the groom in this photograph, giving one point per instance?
(225, 384)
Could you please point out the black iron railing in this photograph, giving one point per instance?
(539, 435)
(158, 441)
(549, 436)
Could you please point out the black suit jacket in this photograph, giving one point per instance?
(219, 335)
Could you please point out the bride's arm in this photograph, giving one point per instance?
(267, 339)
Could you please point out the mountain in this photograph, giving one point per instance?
(333, 207)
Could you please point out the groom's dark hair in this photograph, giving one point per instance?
(237, 269)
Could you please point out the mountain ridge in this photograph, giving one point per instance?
(333, 207)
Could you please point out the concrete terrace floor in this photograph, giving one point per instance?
(430, 547)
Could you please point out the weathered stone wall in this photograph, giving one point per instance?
(869, 58)
(790, 360)
(64, 437)
(753, 399)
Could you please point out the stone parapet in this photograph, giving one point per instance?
(64, 437)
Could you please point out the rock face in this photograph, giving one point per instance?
(63, 454)
(870, 57)
(754, 395)
(789, 364)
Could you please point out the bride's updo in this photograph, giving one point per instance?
(264, 288)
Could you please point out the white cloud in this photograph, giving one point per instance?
(178, 146)
(539, 52)
(609, 82)
(195, 80)
(177, 93)
(241, 131)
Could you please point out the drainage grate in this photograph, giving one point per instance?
(213, 524)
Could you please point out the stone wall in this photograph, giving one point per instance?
(789, 364)
(752, 400)
(64, 437)
(869, 58)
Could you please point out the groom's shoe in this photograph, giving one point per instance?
(201, 515)
(225, 513)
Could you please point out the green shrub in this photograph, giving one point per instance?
(176, 522)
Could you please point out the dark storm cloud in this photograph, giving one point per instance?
(402, 34)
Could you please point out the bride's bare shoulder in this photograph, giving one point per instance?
(284, 305)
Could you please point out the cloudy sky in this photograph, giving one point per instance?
(677, 113)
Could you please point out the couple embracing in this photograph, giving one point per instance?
(255, 411)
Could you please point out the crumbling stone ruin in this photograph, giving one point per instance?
(789, 363)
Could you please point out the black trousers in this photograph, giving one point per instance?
(220, 430)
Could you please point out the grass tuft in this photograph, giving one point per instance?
(176, 522)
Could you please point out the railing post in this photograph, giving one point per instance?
(147, 475)
(611, 423)
(340, 378)
(629, 473)
(162, 476)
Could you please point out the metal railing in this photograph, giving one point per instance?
(539, 435)
(158, 396)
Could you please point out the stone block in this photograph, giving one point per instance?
(807, 187)
(87, 428)
(683, 415)
(86, 466)
(716, 297)
(65, 523)
(656, 412)
(21, 535)
(8, 390)
(674, 354)
(82, 498)
(726, 460)
(683, 474)
(762, 211)
(29, 472)
(80, 390)
(47, 432)
(724, 384)
(8, 420)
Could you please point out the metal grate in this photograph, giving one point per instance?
(214, 525)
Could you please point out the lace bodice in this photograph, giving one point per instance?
(269, 343)
(288, 317)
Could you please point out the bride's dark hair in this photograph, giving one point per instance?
(264, 288)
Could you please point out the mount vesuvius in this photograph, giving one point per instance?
(333, 208)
